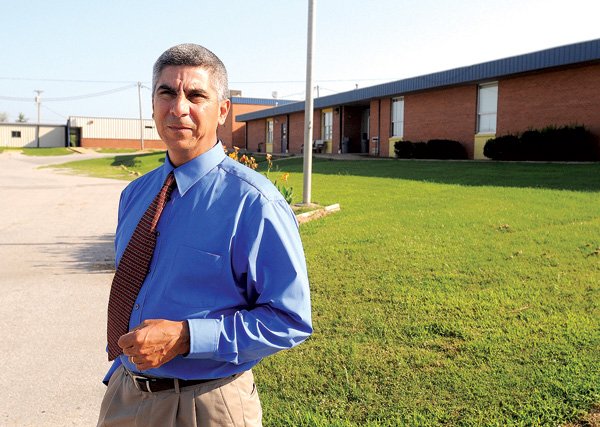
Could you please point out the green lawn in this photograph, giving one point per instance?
(445, 293)
(53, 151)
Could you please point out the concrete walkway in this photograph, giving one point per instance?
(56, 259)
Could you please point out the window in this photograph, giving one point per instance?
(398, 117)
(487, 108)
(15, 134)
(269, 135)
(327, 125)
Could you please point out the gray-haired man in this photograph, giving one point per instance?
(226, 283)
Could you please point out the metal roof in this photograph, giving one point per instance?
(554, 57)
(259, 101)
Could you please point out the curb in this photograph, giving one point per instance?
(318, 213)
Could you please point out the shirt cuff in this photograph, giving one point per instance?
(203, 338)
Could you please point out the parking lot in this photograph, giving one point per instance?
(56, 260)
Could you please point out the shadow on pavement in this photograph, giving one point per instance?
(89, 254)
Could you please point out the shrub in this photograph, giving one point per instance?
(446, 149)
(433, 149)
(502, 148)
(566, 143)
(404, 149)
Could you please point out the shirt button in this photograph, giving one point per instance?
(157, 233)
(136, 307)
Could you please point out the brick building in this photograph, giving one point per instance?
(233, 133)
(553, 87)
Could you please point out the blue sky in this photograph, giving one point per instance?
(73, 48)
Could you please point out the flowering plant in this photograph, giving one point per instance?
(286, 192)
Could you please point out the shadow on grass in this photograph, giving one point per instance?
(133, 160)
(571, 176)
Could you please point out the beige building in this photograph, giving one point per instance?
(107, 132)
(32, 135)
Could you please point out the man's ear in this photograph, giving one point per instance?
(224, 107)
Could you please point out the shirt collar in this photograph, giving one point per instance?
(191, 172)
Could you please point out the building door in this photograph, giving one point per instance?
(74, 137)
(364, 130)
(284, 138)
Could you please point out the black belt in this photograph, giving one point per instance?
(151, 385)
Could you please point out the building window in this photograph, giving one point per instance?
(327, 131)
(487, 108)
(398, 117)
(269, 135)
(15, 134)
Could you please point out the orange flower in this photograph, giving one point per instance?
(285, 177)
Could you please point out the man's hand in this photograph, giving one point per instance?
(154, 342)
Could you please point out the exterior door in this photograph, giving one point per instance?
(284, 138)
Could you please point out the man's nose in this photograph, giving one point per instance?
(180, 106)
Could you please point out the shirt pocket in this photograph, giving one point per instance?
(196, 277)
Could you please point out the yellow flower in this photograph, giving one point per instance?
(285, 177)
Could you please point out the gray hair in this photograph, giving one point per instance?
(194, 55)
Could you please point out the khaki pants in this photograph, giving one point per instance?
(226, 402)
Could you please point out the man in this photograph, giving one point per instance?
(226, 283)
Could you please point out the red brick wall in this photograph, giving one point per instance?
(562, 97)
(296, 132)
(232, 132)
(385, 123)
(121, 143)
(442, 114)
(256, 134)
(379, 125)
(373, 123)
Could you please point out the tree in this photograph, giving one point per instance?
(22, 118)
(3, 117)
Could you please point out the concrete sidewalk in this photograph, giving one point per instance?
(56, 266)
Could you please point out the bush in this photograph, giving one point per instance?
(404, 149)
(566, 143)
(446, 149)
(502, 148)
(433, 149)
(420, 150)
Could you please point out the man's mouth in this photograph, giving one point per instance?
(179, 127)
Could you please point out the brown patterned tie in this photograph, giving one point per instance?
(133, 268)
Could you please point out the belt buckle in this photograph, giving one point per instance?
(138, 380)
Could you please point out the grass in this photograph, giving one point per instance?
(116, 150)
(445, 293)
(53, 151)
(126, 166)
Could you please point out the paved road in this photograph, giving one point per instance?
(56, 258)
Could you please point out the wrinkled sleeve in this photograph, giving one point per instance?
(268, 259)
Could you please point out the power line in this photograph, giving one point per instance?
(71, 98)
(91, 95)
(31, 79)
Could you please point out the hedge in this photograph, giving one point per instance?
(566, 143)
(444, 149)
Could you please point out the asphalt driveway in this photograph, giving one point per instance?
(56, 259)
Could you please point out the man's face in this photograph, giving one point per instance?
(187, 111)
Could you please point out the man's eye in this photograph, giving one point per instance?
(165, 92)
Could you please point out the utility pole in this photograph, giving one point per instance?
(139, 85)
(308, 105)
(38, 101)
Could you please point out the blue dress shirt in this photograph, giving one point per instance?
(228, 259)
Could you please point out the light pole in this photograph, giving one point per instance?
(38, 101)
(308, 106)
(139, 85)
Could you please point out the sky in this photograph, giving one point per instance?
(87, 56)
